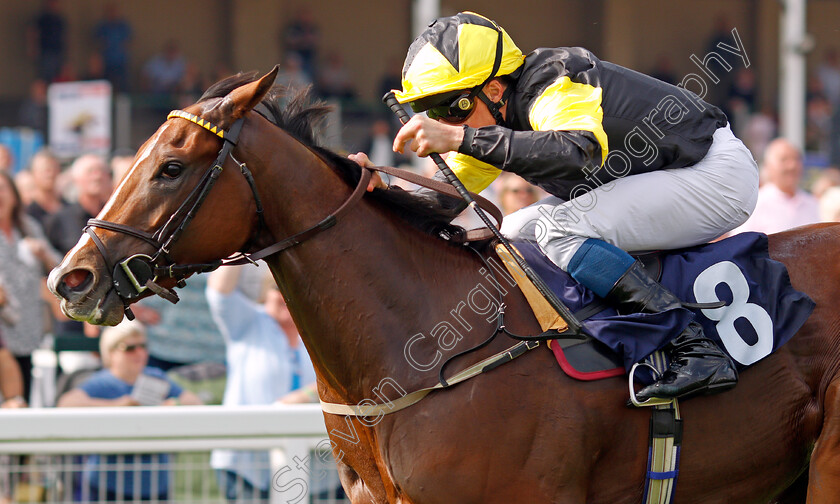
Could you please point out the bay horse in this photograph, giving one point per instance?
(381, 275)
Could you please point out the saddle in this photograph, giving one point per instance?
(583, 358)
(737, 271)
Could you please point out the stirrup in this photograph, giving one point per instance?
(653, 401)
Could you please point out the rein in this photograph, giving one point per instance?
(133, 275)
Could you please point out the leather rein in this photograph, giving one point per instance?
(134, 275)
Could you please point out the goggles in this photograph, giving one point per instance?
(454, 111)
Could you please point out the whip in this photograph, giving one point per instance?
(573, 324)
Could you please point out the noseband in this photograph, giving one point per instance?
(134, 275)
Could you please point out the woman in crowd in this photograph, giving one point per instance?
(25, 258)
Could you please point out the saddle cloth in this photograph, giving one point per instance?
(762, 312)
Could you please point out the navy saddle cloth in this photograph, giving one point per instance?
(762, 312)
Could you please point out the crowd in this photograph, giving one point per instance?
(226, 323)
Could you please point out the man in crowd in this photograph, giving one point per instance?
(781, 203)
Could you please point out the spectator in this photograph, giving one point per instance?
(11, 380)
(95, 68)
(25, 257)
(120, 164)
(7, 159)
(92, 183)
(45, 41)
(11, 397)
(163, 73)
(191, 87)
(301, 37)
(392, 77)
(664, 70)
(25, 183)
(46, 200)
(184, 333)
(113, 35)
(380, 145)
(829, 177)
(828, 73)
(334, 78)
(33, 110)
(516, 193)
(266, 360)
(781, 203)
(760, 131)
(830, 205)
(126, 381)
(291, 75)
(741, 102)
(721, 34)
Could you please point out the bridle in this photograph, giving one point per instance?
(134, 275)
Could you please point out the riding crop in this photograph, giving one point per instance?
(573, 324)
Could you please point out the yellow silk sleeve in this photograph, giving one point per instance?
(476, 175)
(570, 106)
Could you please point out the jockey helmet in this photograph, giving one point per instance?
(453, 54)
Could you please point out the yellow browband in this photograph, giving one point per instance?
(204, 123)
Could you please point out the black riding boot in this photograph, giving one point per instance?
(698, 366)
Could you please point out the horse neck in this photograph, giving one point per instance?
(360, 289)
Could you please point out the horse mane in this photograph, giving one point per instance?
(297, 113)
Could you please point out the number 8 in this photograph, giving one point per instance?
(704, 291)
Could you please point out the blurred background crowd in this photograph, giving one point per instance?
(156, 56)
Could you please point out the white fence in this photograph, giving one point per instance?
(295, 434)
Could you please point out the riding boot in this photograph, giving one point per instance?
(698, 366)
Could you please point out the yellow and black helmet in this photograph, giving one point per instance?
(453, 54)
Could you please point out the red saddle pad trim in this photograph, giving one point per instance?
(567, 367)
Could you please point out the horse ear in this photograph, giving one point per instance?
(246, 97)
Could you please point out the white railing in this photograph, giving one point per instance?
(292, 433)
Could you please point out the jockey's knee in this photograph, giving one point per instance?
(561, 248)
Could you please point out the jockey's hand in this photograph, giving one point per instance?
(425, 136)
(375, 180)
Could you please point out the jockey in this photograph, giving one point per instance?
(675, 176)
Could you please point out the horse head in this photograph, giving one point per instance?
(162, 215)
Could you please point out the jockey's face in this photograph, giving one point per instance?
(481, 115)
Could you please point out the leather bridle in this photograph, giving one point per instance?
(134, 275)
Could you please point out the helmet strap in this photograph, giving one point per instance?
(479, 90)
(496, 107)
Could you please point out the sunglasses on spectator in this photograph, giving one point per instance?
(122, 347)
(518, 190)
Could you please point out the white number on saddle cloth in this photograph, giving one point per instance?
(728, 273)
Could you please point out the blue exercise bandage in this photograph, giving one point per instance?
(598, 265)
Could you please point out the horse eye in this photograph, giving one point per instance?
(171, 170)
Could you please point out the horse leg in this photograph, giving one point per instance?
(824, 474)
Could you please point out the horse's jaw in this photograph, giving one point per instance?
(92, 299)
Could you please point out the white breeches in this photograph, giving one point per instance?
(663, 209)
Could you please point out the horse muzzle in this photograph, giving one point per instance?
(86, 295)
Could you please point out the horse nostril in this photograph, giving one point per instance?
(75, 282)
(75, 278)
